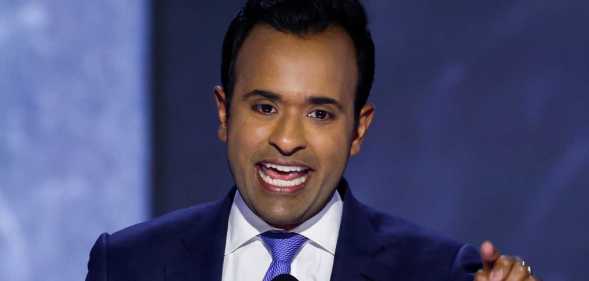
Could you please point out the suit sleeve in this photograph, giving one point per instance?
(466, 263)
(98, 263)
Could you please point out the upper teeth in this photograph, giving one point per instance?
(286, 169)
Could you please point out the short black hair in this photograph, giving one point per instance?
(302, 17)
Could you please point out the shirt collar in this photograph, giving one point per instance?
(322, 229)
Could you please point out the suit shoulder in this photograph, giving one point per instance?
(411, 247)
(403, 234)
(160, 229)
(145, 250)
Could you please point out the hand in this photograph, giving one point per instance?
(497, 267)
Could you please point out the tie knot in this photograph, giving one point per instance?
(283, 245)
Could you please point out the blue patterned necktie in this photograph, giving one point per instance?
(283, 246)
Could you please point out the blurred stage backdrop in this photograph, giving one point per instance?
(107, 118)
(74, 131)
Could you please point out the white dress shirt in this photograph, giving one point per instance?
(247, 258)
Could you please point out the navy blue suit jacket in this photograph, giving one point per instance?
(189, 244)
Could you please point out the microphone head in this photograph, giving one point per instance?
(284, 277)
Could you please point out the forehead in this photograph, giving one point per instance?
(322, 63)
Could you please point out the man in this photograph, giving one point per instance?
(293, 108)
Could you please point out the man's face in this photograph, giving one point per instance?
(290, 130)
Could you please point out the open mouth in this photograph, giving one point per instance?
(282, 178)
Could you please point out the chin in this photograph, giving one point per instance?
(282, 221)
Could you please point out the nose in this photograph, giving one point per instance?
(288, 135)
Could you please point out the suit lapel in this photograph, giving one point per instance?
(358, 244)
(204, 243)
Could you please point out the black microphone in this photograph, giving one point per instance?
(284, 277)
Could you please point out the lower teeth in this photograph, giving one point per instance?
(282, 183)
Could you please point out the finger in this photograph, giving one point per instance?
(501, 268)
(519, 271)
(532, 278)
(489, 254)
(481, 275)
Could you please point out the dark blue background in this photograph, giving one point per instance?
(481, 129)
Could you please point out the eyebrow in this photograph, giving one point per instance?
(315, 100)
(262, 93)
(325, 101)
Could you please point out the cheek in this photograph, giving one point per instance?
(247, 137)
(251, 136)
(331, 146)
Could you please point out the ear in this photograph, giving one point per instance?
(220, 99)
(364, 121)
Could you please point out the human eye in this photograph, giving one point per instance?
(320, 114)
(264, 108)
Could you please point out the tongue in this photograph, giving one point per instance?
(281, 175)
